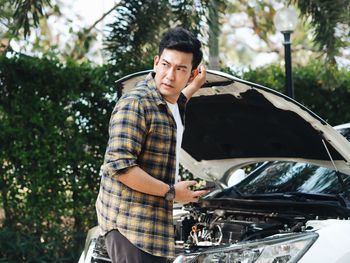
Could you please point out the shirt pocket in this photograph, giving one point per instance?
(159, 139)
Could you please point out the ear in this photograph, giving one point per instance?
(155, 62)
(194, 74)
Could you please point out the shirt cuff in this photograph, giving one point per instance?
(117, 168)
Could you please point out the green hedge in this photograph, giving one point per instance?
(53, 134)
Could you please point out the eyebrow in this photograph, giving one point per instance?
(179, 66)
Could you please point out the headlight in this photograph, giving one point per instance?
(280, 249)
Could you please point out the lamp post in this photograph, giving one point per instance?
(285, 21)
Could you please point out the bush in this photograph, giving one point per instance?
(53, 133)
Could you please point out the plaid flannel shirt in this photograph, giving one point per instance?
(142, 132)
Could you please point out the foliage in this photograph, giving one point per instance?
(261, 14)
(139, 24)
(6, 13)
(6, 23)
(40, 28)
(28, 14)
(53, 132)
(138, 27)
(311, 90)
(130, 45)
(331, 21)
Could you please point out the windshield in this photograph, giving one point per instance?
(345, 132)
(281, 177)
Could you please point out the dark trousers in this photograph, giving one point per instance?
(121, 250)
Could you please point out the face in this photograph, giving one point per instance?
(173, 72)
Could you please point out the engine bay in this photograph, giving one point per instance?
(203, 228)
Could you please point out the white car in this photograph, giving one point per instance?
(294, 207)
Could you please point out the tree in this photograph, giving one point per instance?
(19, 17)
(28, 25)
(28, 14)
(6, 23)
(138, 27)
(331, 22)
(215, 10)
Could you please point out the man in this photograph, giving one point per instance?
(138, 185)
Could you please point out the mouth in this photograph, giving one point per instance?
(168, 86)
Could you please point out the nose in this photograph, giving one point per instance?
(170, 75)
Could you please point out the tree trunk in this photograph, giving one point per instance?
(214, 33)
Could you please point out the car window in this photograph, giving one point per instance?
(280, 177)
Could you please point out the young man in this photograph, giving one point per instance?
(138, 184)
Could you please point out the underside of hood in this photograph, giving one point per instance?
(225, 126)
(237, 120)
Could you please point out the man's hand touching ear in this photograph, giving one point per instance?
(196, 81)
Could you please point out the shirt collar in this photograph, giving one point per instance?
(152, 85)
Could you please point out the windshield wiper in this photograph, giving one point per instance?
(324, 197)
(311, 195)
(303, 197)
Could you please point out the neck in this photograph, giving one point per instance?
(171, 100)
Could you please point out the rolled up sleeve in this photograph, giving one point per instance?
(127, 131)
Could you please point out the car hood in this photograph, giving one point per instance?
(231, 123)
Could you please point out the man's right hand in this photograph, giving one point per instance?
(183, 193)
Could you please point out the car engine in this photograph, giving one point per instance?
(202, 228)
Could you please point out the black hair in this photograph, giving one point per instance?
(181, 39)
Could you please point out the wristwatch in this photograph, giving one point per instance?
(170, 195)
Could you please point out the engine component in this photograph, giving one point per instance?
(217, 227)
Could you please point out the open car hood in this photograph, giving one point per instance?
(231, 123)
